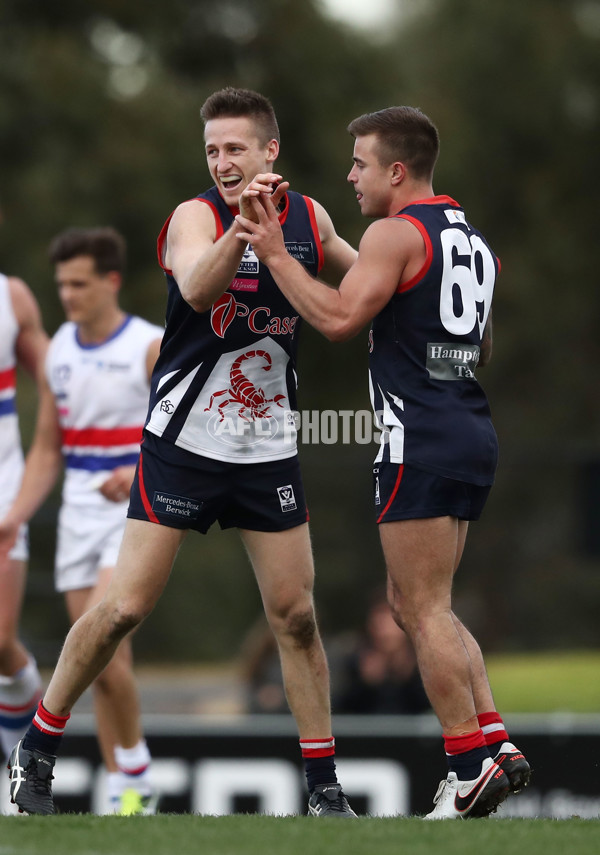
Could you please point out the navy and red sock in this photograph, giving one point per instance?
(45, 731)
(466, 753)
(494, 731)
(319, 761)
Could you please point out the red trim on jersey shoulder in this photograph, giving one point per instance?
(145, 501)
(313, 221)
(406, 286)
(160, 241)
(8, 378)
(434, 200)
(394, 491)
(286, 209)
(104, 437)
(218, 223)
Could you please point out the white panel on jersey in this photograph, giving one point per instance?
(392, 429)
(166, 408)
(242, 414)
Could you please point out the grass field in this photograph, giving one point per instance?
(260, 835)
(546, 682)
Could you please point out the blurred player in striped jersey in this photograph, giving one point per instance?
(94, 396)
(23, 344)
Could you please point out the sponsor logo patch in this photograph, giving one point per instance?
(249, 262)
(452, 361)
(302, 251)
(179, 507)
(239, 284)
(287, 500)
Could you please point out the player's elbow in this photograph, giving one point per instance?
(485, 356)
(197, 301)
(340, 329)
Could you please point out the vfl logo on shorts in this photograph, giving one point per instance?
(287, 500)
(178, 507)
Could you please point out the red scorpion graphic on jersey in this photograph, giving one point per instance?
(241, 391)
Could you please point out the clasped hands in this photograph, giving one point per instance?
(259, 216)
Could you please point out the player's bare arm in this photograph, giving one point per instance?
(152, 356)
(42, 466)
(486, 343)
(202, 266)
(32, 341)
(388, 248)
(338, 255)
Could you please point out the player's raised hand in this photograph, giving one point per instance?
(263, 229)
(263, 185)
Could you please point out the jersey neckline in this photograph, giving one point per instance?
(432, 200)
(95, 344)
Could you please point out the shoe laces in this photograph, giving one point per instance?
(440, 791)
(340, 803)
(41, 785)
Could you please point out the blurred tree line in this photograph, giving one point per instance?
(99, 124)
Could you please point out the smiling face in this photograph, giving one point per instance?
(372, 182)
(235, 155)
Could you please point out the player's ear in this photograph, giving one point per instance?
(397, 172)
(272, 151)
(115, 279)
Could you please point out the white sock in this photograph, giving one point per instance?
(134, 765)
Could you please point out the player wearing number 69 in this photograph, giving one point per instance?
(425, 278)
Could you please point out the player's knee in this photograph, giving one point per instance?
(401, 614)
(301, 627)
(122, 617)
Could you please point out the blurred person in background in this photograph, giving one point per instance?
(93, 401)
(219, 444)
(376, 673)
(373, 671)
(425, 278)
(260, 671)
(23, 344)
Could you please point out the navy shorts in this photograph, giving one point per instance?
(405, 493)
(176, 488)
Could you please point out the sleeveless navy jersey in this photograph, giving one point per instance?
(424, 348)
(224, 385)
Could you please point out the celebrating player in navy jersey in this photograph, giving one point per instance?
(220, 441)
(425, 278)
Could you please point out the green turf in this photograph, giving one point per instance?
(546, 682)
(260, 835)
